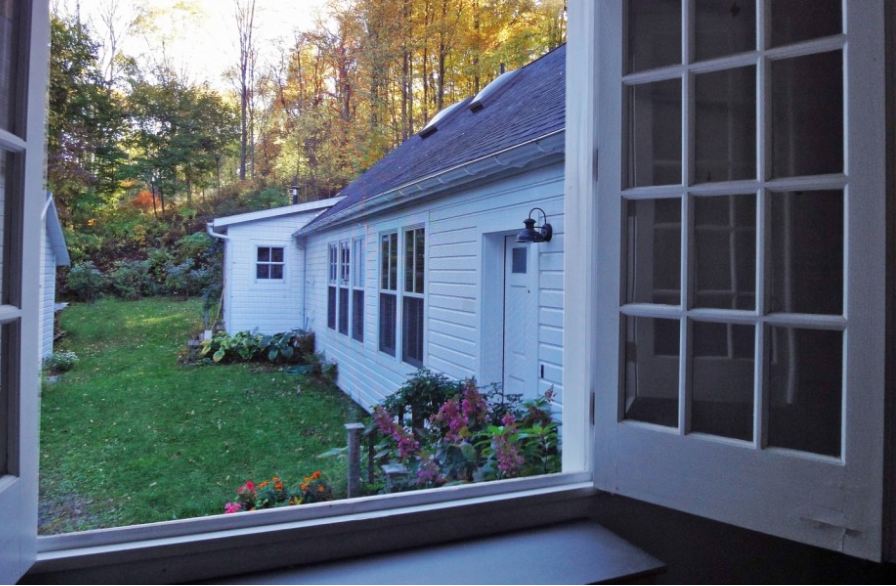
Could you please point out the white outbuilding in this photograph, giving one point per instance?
(54, 254)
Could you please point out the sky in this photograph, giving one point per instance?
(199, 36)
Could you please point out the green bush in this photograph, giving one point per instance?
(130, 279)
(422, 395)
(196, 246)
(158, 262)
(292, 347)
(61, 361)
(85, 281)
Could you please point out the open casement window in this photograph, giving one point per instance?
(388, 292)
(24, 41)
(331, 285)
(344, 275)
(358, 289)
(739, 298)
(412, 297)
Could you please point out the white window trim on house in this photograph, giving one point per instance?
(270, 263)
(405, 293)
(388, 289)
(358, 285)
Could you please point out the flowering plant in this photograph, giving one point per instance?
(276, 493)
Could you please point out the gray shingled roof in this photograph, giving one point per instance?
(529, 106)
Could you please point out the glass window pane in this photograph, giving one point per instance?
(725, 125)
(654, 33)
(409, 260)
(276, 271)
(9, 40)
(725, 251)
(654, 127)
(805, 396)
(412, 331)
(264, 254)
(724, 27)
(807, 115)
(800, 20)
(806, 252)
(262, 271)
(5, 387)
(651, 378)
(393, 261)
(343, 311)
(331, 308)
(277, 254)
(420, 260)
(518, 261)
(653, 256)
(5, 164)
(358, 315)
(384, 262)
(722, 382)
(388, 308)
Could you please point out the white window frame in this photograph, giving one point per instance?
(413, 294)
(389, 289)
(357, 285)
(343, 290)
(332, 272)
(799, 496)
(270, 263)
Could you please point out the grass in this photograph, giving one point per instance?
(131, 436)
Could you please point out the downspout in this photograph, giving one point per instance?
(209, 229)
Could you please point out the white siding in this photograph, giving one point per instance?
(264, 305)
(47, 295)
(457, 227)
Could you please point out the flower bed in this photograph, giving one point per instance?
(276, 493)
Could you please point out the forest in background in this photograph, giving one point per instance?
(140, 157)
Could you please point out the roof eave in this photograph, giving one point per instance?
(305, 207)
(517, 156)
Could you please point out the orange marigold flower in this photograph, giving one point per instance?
(315, 475)
(263, 484)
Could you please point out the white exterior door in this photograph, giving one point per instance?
(23, 84)
(520, 305)
(739, 290)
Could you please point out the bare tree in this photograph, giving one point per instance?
(245, 24)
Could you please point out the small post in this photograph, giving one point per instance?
(395, 475)
(354, 458)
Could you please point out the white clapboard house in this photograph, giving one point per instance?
(417, 262)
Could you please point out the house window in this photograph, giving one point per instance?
(358, 289)
(388, 292)
(344, 275)
(738, 317)
(412, 297)
(331, 286)
(269, 263)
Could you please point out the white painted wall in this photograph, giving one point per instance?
(266, 306)
(459, 340)
(47, 294)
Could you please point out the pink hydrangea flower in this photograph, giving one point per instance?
(232, 508)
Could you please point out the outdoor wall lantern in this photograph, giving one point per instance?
(530, 233)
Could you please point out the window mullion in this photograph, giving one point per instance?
(763, 163)
(687, 174)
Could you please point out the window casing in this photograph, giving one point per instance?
(388, 302)
(412, 317)
(332, 268)
(344, 276)
(358, 289)
(269, 263)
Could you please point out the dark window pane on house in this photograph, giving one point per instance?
(725, 251)
(263, 271)
(10, 38)
(331, 308)
(6, 431)
(650, 379)
(807, 115)
(264, 254)
(343, 311)
(722, 386)
(388, 308)
(518, 261)
(412, 331)
(653, 250)
(393, 261)
(725, 125)
(358, 315)
(654, 134)
(806, 252)
(409, 260)
(420, 260)
(276, 271)
(384, 262)
(724, 27)
(800, 20)
(805, 395)
(277, 254)
(654, 34)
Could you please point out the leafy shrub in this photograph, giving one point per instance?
(187, 278)
(276, 493)
(460, 442)
(130, 279)
(422, 395)
(60, 361)
(85, 281)
(158, 262)
(194, 246)
(286, 347)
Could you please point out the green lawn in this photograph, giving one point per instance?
(130, 436)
